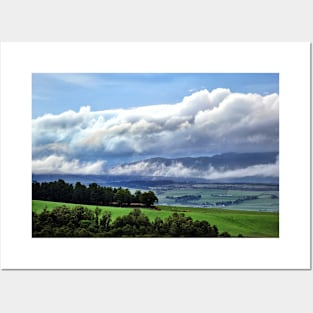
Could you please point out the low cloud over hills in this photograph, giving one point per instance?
(230, 165)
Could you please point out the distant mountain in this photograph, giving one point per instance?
(225, 161)
(259, 167)
(222, 167)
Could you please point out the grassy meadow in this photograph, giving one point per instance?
(246, 223)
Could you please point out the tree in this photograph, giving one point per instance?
(158, 225)
(84, 222)
(108, 195)
(137, 197)
(61, 191)
(97, 213)
(36, 191)
(105, 221)
(123, 196)
(80, 193)
(95, 193)
(149, 198)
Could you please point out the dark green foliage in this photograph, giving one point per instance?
(137, 197)
(97, 212)
(83, 222)
(94, 194)
(224, 234)
(149, 198)
(105, 221)
(123, 197)
(80, 193)
(133, 224)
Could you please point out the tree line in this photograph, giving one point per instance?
(60, 191)
(84, 222)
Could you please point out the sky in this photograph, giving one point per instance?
(92, 123)
(56, 93)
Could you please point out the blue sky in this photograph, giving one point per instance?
(56, 93)
(91, 123)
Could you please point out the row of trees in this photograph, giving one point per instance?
(84, 222)
(60, 191)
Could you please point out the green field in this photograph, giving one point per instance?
(246, 223)
(266, 200)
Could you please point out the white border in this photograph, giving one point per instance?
(290, 251)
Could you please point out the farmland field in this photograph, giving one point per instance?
(235, 222)
(250, 197)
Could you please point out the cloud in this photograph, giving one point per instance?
(81, 80)
(203, 123)
(59, 165)
(177, 169)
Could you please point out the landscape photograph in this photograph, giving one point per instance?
(155, 155)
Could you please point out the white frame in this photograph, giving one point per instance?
(290, 251)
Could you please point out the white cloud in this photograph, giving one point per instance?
(59, 165)
(202, 123)
(177, 169)
(154, 169)
(81, 80)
